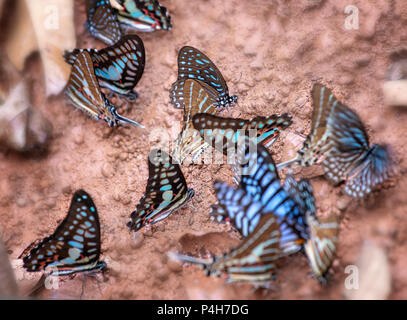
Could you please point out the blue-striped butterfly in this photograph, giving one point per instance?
(302, 193)
(144, 15)
(351, 159)
(321, 247)
(75, 244)
(252, 261)
(102, 22)
(199, 98)
(193, 64)
(223, 133)
(84, 92)
(260, 191)
(317, 143)
(166, 191)
(119, 67)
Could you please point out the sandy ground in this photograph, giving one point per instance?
(269, 52)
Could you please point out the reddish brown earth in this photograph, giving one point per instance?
(270, 53)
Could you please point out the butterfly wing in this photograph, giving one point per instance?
(119, 67)
(165, 192)
(350, 144)
(193, 64)
(223, 133)
(317, 142)
(75, 244)
(199, 98)
(144, 15)
(301, 192)
(83, 88)
(102, 21)
(374, 170)
(254, 259)
(321, 247)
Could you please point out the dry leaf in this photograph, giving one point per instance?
(47, 26)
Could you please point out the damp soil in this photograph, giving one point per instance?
(270, 53)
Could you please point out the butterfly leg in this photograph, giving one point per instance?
(83, 286)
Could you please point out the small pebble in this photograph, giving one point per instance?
(21, 202)
(174, 266)
(67, 190)
(342, 204)
(125, 199)
(107, 170)
(138, 240)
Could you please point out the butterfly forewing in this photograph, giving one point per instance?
(119, 67)
(193, 64)
(321, 247)
(144, 15)
(75, 244)
(224, 133)
(102, 21)
(165, 192)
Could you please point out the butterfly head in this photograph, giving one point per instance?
(112, 117)
(191, 193)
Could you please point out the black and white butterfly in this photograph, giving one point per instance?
(166, 191)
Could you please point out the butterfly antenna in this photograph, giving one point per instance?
(284, 164)
(184, 258)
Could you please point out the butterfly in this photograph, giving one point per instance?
(102, 22)
(193, 64)
(317, 143)
(144, 15)
(260, 191)
(321, 247)
(224, 133)
(351, 159)
(75, 244)
(199, 98)
(166, 191)
(252, 261)
(119, 67)
(84, 92)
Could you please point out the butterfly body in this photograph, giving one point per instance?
(118, 68)
(102, 22)
(84, 92)
(195, 65)
(144, 15)
(166, 191)
(74, 246)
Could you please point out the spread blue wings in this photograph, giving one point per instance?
(102, 21)
(193, 64)
(144, 15)
(75, 244)
(350, 158)
(260, 192)
(166, 191)
(119, 67)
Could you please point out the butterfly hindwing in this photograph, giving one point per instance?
(165, 192)
(75, 244)
(102, 21)
(144, 15)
